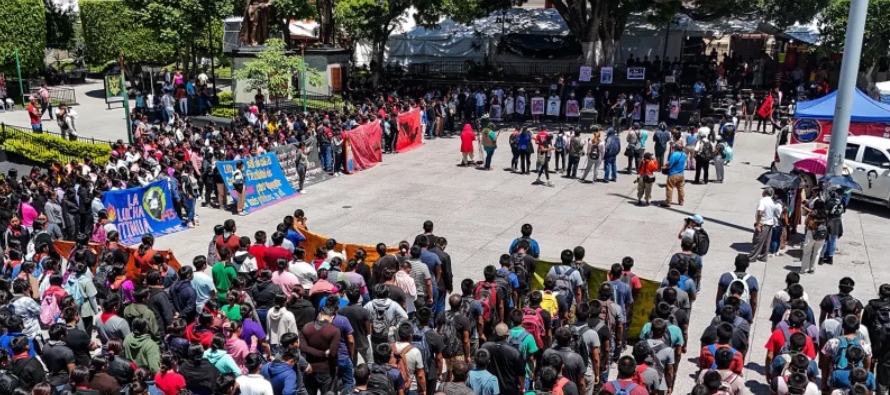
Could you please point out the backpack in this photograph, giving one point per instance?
(560, 384)
(728, 132)
(821, 232)
(564, 280)
(419, 342)
(786, 348)
(834, 206)
(483, 293)
(577, 342)
(713, 349)
(607, 316)
(594, 153)
(836, 302)
(707, 151)
(379, 324)
(746, 296)
(100, 281)
(520, 270)
(701, 242)
(881, 326)
(623, 391)
(726, 384)
(73, 288)
(628, 279)
(49, 309)
(502, 279)
(453, 340)
(399, 362)
(613, 146)
(98, 235)
(516, 342)
(653, 361)
(514, 140)
(549, 303)
(533, 324)
(727, 152)
(840, 353)
(379, 382)
(8, 382)
(682, 284)
(559, 143)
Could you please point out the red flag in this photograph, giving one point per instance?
(766, 108)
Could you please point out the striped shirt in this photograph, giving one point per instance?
(420, 273)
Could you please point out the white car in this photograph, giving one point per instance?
(867, 157)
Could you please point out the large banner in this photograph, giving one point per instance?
(364, 145)
(537, 106)
(64, 248)
(314, 240)
(642, 306)
(287, 158)
(264, 182)
(410, 131)
(137, 211)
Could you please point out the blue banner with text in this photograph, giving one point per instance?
(137, 211)
(264, 182)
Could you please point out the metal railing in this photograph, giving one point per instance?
(28, 134)
(501, 71)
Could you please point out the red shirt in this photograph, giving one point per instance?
(169, 383)
(32, 109)
(706, 359)
(638, 390)
(259, 252)
(777, 340)
(273, 253)
(232, 242)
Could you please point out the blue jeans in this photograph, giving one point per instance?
(262, 313)
(438, 301)
(189, 210)
(829, 247)
(775, 239)
(610, 168)
(488, 155)
(324, 156)
(479, 111)
(168, 118)
(345, 372)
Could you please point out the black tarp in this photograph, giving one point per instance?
(540, 46)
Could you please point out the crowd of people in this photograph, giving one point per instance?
(263, 315)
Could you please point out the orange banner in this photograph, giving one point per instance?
(314, 240)
(133, 273)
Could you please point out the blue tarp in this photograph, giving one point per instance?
(865, 109)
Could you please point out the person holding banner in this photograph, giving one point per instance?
(238, 186)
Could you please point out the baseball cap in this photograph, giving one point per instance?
(502, 330)
(696, 218)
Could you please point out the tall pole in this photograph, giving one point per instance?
(303, 75)
(846, 85)
(212, 65)
(667, 37)
(18, 72)
(126, 99)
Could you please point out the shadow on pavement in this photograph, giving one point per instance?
(741, 247)
(866, 207)
(709, 219)
(96, 93)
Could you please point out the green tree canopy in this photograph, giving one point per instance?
(877, 29)
(273, 69)
(109, 30)
(22, 27)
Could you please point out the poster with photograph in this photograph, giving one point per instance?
(572, 109)
(495, 113)
(520, 105)
(651, 115)
(606, 75)
(537, 106)
(553, 106)
(584, 75)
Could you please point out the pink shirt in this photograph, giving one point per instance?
(238, 349)
(286, 280)
(29, 214)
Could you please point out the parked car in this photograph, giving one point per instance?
(868, 158)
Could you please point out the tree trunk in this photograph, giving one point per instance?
(379, 47)
(285, 32)
(871, 89)
(591, 37)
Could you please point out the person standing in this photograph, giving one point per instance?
(46, 104)
(661, 138)
(595, 149)
(576, 149)
(467, 137)
(35, 116)
(524, 144)
(816, 233)
(874, 317)
(646, 171)
(489, 144)
(704, 152)
(612, 148)
(720, 158)
(764, 221)
(544, 150)
(675, 169)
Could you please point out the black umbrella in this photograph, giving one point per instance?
(779, 180)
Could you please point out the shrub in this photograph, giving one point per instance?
(225, 112)
(22, 26)
(226, 98)
(47, 148)
(109, 29)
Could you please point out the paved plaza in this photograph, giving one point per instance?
(480, 212)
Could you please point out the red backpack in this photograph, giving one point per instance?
(534, 325)
(558, 387)
(487, 295)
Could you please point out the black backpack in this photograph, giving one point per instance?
(834, 206)
(8, 383)
(453, 340)
(707, 151)
(881, 327)
(594, 153)
(728, 132)
(702, 242)
(379, 383)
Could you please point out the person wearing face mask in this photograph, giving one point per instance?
(749, 108)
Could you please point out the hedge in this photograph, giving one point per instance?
(47, 148)
(22, 26)
(109, 29)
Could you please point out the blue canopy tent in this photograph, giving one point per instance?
(813, 118)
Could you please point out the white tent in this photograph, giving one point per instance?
(884, 91)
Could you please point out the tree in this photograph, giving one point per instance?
(273, 69)
(180, 22)
(286, 10)
(874, 42)
(109, 31)
(22, 27)
(60, 23)
(375, 20)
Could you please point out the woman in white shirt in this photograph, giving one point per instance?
(253, 383)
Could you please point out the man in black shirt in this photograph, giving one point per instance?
(27, 370)
(436, 345)
(302, 308)
(875, 319)
(830, 306)
(57, 356)
(584, 269)
(446, 281)
(463, 327)
(77, 339)
(506, 362)
(360, 320)
(384, 263)
(598, 324)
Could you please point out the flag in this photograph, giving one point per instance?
(766, 108)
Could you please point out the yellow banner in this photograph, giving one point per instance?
(314, 240)
(642, 306)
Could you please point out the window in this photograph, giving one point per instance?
(852, 150)
(873, 157)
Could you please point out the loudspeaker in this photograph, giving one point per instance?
(588, 119)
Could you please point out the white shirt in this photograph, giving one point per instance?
(767, 209)
(254, 384)
(782, 387)
(305, 272)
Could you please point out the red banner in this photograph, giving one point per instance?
(766, 108)
(364, 145)
(823, 134)
(410, 131)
